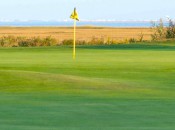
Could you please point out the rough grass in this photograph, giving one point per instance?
(105, 88)
(83, 33)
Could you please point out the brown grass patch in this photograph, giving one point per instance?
(83, 33)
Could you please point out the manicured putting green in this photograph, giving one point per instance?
(120, 87)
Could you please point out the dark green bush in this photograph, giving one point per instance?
(170, 30)
(24, 43)
(67, 42)
(132, 40)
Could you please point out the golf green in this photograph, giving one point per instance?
(128, 87)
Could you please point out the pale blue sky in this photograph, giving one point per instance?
(88, 9)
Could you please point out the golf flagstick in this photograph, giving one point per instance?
(74, 44)
(74, 16)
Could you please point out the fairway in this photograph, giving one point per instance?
(105, 88)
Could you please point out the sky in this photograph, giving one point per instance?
(88, 9)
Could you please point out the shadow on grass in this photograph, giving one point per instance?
(136, 46)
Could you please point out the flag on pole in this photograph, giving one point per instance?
(75, 17)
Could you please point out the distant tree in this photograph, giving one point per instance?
(170, 33)
(159, 31)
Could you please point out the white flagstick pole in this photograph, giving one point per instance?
(74, 51)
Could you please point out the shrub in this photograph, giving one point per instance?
(35, 41)
(132, 40)
(170, 33)
(82, 42)
(2, 42)
(48, 41)
(8, 41)
(96, 41)
(11, 41)
(141, 35)
(108, 41)
(159, 31)
(67, 42)
(23, 43)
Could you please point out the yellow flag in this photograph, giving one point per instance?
(74, 15)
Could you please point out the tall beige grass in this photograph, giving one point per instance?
(83, 33)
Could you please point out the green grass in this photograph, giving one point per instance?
(122, 87)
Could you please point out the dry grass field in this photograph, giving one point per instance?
(83, 33)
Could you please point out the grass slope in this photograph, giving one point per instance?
(114, 87)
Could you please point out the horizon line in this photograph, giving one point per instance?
(83, 20)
